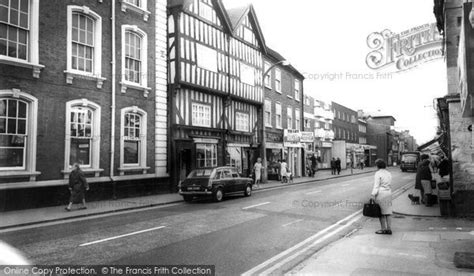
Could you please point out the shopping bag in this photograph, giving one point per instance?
(372, 209)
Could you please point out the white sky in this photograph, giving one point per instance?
(320, 37)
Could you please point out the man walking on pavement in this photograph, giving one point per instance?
(338, 165)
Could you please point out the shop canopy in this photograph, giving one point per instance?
(433, 147)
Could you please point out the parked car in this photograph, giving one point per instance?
(409, 160)
(215, 183)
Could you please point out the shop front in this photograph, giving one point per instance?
(325, 155)
(241, 156)
(274, 153)
(293, 151)
(307, 142)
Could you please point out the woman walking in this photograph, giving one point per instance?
(284, 171)
(77, 186)
(257, 168)
(382, 194)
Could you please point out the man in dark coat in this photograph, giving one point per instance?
(333, 166)
(77, 186)
(444, 166)
(338, 165)
(423, 177)
(314, 165)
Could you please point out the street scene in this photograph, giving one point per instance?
(226, 137)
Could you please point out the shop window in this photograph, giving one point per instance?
(234, 158)
(206, 155)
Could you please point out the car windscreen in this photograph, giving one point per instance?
(409, 158)
(200, 173)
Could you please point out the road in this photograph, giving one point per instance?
(236, 235)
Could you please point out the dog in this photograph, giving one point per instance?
(414, 199)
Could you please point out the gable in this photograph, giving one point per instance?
(206, 10)
(246, 27)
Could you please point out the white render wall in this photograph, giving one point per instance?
(161, 103)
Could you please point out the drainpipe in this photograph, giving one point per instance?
(112, 107)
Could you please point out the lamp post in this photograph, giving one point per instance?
(264, 138)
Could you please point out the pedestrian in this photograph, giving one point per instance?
(423, 180)
(333, 166)
(362, 163)
(444, 167)
(314, 165)
(77, 186)
(284, 171)
(257, 169)
(382, 194)
(338, 165)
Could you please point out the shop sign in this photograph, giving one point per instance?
(292, 138)
(326, 145)
(307, 137)
(274, 145)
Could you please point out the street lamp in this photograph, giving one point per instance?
(264, 138)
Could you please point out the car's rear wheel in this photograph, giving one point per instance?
(248, 190)
(218, 195)
(188, 198)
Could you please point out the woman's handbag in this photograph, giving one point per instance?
(372, 209)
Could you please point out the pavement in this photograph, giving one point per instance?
(422, 243)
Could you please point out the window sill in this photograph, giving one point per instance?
(279, 92)
(86, 171)
(134, 8)
(289, 97)
(125, 85)
(22, 63)
(70, 75)
(15, 174)
(124, 169)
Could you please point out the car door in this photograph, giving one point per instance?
(228, 181)
(239, 183)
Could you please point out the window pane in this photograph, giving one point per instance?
(130, 155)
(12, 50)
(15, 4)
(13, 17)
(3, 125)
(3, 47)
(24, 5)
(12, 108)
(22, 51)
(80, 151)
(21, 126)
(75, 35)
(24, 20)
(11, 157)
(22, 36)
(3, 14)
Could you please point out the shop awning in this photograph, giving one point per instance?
(433, 146)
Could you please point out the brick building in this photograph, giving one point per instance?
(323, 132)
(80, 83)
(346, 135)
(284, 115)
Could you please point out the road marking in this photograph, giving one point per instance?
(315, 192)
(257, 205)
(293, 222)
(122, 236)
(353, 217)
